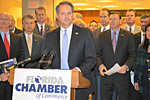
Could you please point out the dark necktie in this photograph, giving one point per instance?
(65, 50)
(130, 29)
(114, 41)
(42, 32)
(104, 29)
(6, 43)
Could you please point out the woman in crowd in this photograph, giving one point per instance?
(142, 69)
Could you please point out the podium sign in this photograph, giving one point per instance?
(37, 84)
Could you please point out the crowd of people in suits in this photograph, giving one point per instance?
(91, 51)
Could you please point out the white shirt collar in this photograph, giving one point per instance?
(106, 28)
(128, 28)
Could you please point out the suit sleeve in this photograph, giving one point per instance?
(99, 51)
(21, 55)
(90, 54)
(131, 52)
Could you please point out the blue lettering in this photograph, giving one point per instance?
(50, 88)
(57, 88)
(17, 87)
(24, 88)
(32, 88)
(64, 89)
(41, 88)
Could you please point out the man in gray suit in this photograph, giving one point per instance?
(130, 19)
(74, 46)
(115, 46)
(41, 28)
(33, 43)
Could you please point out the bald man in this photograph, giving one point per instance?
(10, 47)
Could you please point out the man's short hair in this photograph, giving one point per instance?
(39, 8)
(78, 15)
(27, 16)
(115, 12)
(92, 22)
(105, 9)
(144, 16)
(64, 3)
(129, 10)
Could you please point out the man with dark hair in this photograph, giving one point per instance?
(12, 27)
(33, 43)
(115, 46)
(11, 46)
(41, 28)
(93, 25)
(75, 49)
(130, 19)
(139, 37)
(104, 20)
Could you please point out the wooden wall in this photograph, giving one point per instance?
(89, 15)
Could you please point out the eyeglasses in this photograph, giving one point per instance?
(4, 19)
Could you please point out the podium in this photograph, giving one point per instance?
(77, 81)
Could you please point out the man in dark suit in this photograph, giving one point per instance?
(41, 28)
(10, 47)
(139, 37)
(12, 27)
(75, 49)
(115, 46)
(104, 20)
(37, 42)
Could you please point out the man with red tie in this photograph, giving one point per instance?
(10, 47)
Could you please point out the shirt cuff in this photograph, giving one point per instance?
(78, 69)
(127, 67)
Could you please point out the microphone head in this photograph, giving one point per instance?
(53, 52)
(45, 52)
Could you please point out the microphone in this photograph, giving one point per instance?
(44, 54)
(17, 64)
(51, 58)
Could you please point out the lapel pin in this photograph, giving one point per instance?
(76, 33)
(147, 60)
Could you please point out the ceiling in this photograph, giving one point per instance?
(111, 4)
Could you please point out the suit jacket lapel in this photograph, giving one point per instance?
(25, 46)
(74, 39)
(2, 47)
(57, 45)
(120, 39)
(108, 39)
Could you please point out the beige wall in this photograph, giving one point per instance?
(12, 7)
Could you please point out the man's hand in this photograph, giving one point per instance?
(102, 68)
(122, 70)
(4, 77)
(74, 69)
(136, 86)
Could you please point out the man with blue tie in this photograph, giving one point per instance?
(75, 49)
(115, 46)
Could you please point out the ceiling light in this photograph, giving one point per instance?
(80, 4)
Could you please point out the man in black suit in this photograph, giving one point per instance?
(12, 27)
(115, 46)
(10, 47)
(79, 53)
(139, 37)
(37, 42)
(41, 28)
(104, 20)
